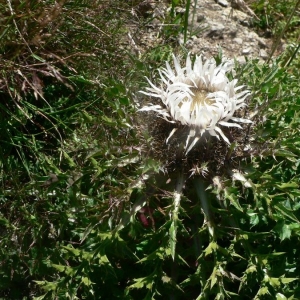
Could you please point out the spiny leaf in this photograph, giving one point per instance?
(286, 212)
(283, 230)
(76, 252)
(86, 281)
(232, 196)
(280, 296)
(212, 247)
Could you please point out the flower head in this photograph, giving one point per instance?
(200, 96)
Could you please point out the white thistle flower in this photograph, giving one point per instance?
(200, 96)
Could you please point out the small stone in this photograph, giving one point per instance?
(263, 54)
(241, 60)
(217, 27)
(223, 3)
(245, 22)
(246, 51)
(252, 36)
(284, 46)
(233, 32)
(239, 41)
(261, 42)
(200, 18)
(180, 10)
(216, 30)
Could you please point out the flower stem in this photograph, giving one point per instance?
(201, 193)
(173, 228)
(175, 211)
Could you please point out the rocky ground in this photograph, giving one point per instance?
(212, 24)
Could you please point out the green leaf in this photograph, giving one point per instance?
(284, 231)
(287, 280)
(76, 252)
(280, 296)
(4, 222)
(79, 79)
(40, 297)
(251, 269)
(60, 268)
(213, 277)
(46, 285)
(283, 152)
(146, 282)
(212, 247)
(231, 194)
(109, 121)
(138, 205)
(159, 254)
(124, 101)
(289, 185)
(254, 218)
(286, 212)
(175, 2)
(38, 57)
(263, 291)
(86, 281)
(275, 282)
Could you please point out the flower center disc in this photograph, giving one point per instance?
(200, 98)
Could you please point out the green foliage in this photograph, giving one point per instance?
(58, 164)
(86, 211)
(176, 23)
(273, 16)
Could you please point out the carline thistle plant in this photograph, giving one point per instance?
(198, 95)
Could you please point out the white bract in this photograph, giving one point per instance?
(200, 96)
